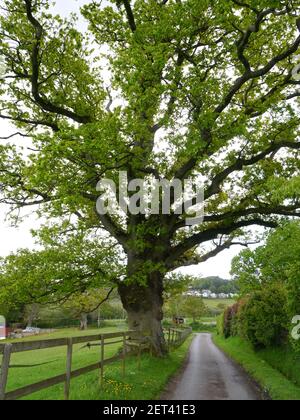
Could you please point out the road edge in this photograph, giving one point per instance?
(265, 396)
(173, 380)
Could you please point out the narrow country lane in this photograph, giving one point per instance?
(210, 375)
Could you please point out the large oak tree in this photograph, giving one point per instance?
(163, 88)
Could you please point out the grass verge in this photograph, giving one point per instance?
(272, 381)
(285, 360)
(145, 384)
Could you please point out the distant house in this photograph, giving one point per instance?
(193, 293)
(206, 293)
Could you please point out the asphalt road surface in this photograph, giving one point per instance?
(210, 375)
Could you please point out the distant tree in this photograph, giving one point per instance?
(173, 306)
(54, 316)
(193, 307)
(55, 274)
(246, 270)
(176, 285)
(214, 284)
(83, 304)
(31, 314)
(110, 310)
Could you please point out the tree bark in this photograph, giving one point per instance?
(31, 314)
(83, 322)
(143, 305)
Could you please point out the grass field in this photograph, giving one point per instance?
(277, 380)
(52, 362)
(144, 384)
(214, 303)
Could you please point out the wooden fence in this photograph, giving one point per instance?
(105, 340)
(174, 337)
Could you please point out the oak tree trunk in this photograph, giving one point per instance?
(144, 309)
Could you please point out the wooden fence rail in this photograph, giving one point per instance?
(105, 340)
(174, 337)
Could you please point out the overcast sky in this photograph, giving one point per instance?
(12, 238)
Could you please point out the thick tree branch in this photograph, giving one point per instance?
(289, 211)
(215, 185)
(34, 122)
(18, 133)
(219, 247)
(103, 300)
(110, 226)
(213, 233)
(245, 5)
(130, 16)
(239, 164)
(189, 165)
(249, 75)
(81, 285)
(44, 103)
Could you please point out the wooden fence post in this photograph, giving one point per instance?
(5, 369)
(124, 355)
(102, 360)
(68, 368)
